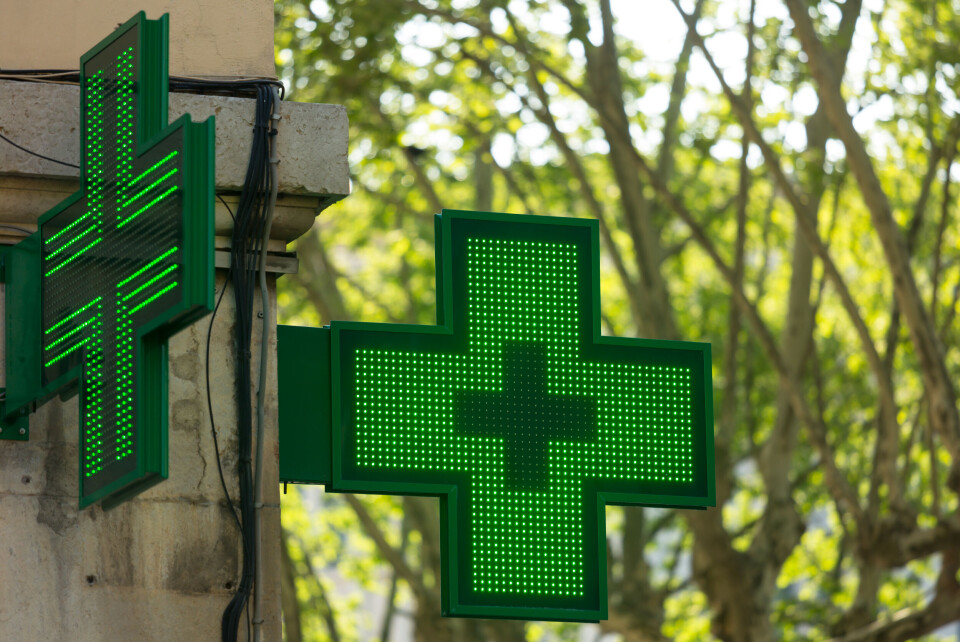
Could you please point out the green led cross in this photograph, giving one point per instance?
(126, 261)
(520, 416)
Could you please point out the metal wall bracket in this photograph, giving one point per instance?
(15, 427)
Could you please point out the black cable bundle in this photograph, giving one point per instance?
(235, 87)
(246, 87)
(246, 243)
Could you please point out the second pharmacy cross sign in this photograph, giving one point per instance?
(119, 266)
(516, 413)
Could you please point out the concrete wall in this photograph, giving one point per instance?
(207, 38)
(164, 565)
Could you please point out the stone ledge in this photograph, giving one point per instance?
(45, 118)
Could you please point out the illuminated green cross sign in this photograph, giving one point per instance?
(514, 411)
(122, 264)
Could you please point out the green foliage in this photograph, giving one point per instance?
(511, 106)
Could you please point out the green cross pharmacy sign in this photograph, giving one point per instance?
(114, 269)
(513, 410)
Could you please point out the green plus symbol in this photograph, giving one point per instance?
(520, 417)
(125, 262)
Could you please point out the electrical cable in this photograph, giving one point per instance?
(241, 86)
(213, 427)
(33, 153)
(245, 252)
(265, 326)
(229, 211)
(23, 231)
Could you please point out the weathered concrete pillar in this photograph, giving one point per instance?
(163, 565)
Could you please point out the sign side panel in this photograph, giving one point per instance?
(303, 381)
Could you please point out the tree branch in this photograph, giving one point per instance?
(323, 607)
(424, 183)
(320, 286)
(907, 624)
(943, 400)
(941, 229)
(290, 605)
(389, 553)
(836, 482)
(806, 222)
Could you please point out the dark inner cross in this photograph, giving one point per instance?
(525, 415)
